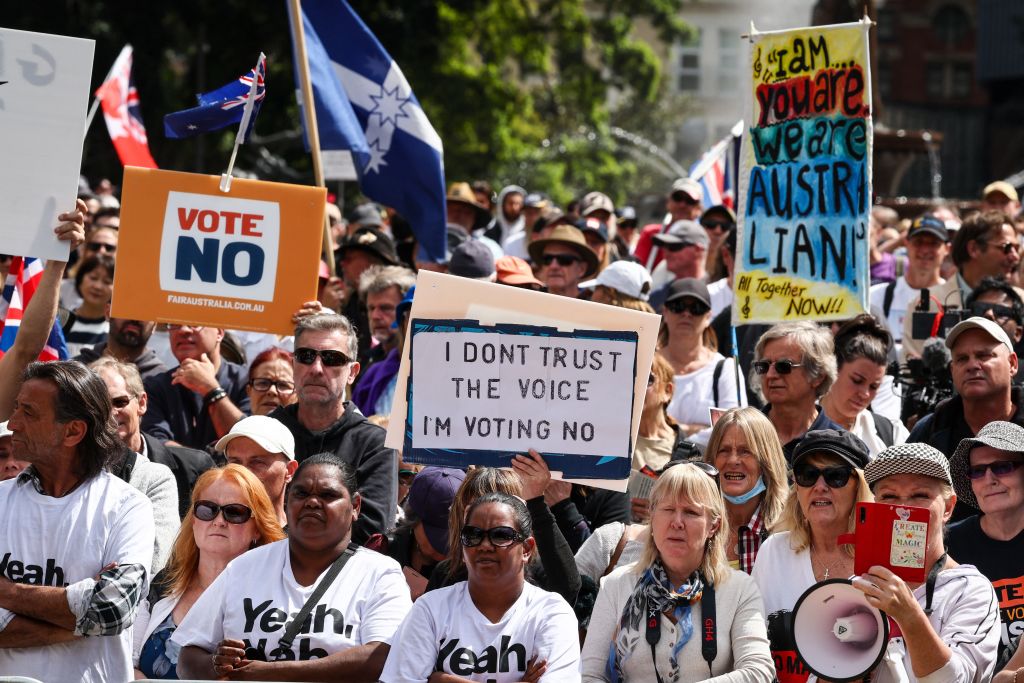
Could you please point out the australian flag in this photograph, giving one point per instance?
(23, 279)
(717, 171)
(220, 108)
(364, 105)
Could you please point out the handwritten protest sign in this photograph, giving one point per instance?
(805, 183)
(189, 253)
(468, 336)
(489, 392)
(44, 94)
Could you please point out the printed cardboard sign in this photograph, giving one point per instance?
(482, 394)
(44, 95)
(189, 253)
(805, 180)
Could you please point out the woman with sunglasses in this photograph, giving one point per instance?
(988, 475)
(794, 366)
(230, 514)
(828, 470)
(244, 627)
(746, 451)
(704, 378)
(862, 352)
(950, 623)
(681, 576)
(495, 626)
(271, 381)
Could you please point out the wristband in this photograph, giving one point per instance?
(215, 395)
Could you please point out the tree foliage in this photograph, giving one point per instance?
(517, 89)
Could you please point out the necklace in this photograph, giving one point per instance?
(829, 567)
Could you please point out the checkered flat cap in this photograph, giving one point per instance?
(1003, 436)
(908, 458)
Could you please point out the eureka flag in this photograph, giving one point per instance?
(365, 105)
(121, 111)
(221, 107)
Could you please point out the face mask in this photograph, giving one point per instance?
(741, 499)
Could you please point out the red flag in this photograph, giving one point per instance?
(121, 110)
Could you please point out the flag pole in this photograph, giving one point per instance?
(96, 100)
(309, 112)
(243, 125)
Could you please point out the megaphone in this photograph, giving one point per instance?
(838, 635)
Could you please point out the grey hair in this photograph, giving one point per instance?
(128, 372)
(815, 342)
(329, 322)
(376, 279)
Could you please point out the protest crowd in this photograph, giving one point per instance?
(196, 502)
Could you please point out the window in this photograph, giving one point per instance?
(951, 24)
(689, 63)
(727, 79)
(949, 80)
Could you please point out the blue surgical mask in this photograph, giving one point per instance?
(759, 487)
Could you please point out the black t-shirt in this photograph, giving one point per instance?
(1001, 562)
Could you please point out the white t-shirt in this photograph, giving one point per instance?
(904, 298)
(721, 295)
(777, 559)
(446, 632)
(693, 393)
(256, 594)
(61, 541)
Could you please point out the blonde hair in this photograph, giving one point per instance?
(617, 298)
(183, 565)
(687, 482)
(793, 519)
(665, 376)
(763, 442)
(478, 482)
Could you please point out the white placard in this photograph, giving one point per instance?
(43, 103)
(338, 164)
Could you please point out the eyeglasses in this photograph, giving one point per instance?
(678, 246)
(564, 260)
(783, 367)
(717, 225)
(999, 312)
(101, 246)
(694, 307)
(121, 402)
(262, 384)
(234, 513)
(329, 357)
(1007, 247)
(683, 198)
(194, 328)
(1000, 468)
(835, 477)
(499, 536)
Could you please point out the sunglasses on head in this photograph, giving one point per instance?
(693, 306)
(329, 357)
(499, 536)
(683, 198)
(706, 468)
(716, 225)
(564, 260)
(1000, 468)
(835, 477)
(999, 312)
(783, 367)
(102, 246)
(234, 513)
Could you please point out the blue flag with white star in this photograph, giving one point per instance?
(365, 105)
(221, 107)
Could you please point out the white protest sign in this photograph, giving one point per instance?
(511, 388)
(44, 94)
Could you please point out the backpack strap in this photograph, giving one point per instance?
(714, 379)
(884, 429)
(890, 291)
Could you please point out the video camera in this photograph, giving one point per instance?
(927, 380)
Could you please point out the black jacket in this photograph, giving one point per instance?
(359, 444)
(186, 464)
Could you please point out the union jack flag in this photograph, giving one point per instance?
(123, 115)
(717, 170)
(221, 107)
(22, 281)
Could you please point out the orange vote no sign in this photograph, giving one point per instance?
(189, 253)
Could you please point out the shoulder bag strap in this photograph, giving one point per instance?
(332, 573)
(714, 379)
(617, 553)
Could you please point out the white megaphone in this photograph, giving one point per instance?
(838, 635)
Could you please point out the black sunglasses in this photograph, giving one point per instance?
(694, 307)
(564, 260)
(329, 357)
(678, 246)
(262, 384)
(101, 246)
(1000, 312)
(717, 225)
(1000, 468)
(683, 198)
(234, 513)
(499, 536)
(835, 477)
(783, 367)
(121, 402)
(1007, 247)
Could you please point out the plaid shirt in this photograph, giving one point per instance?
(105, 606)
(749, 539)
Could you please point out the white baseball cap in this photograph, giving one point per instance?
(625, 277)
(990, 327)
(270, 434)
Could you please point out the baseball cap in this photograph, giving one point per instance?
(430, 499)
(626, 214)
(689, 186)
(835, 442)
(535, 200)
(471, 259)
(372, 241)
(594, 227)
(403, 306)
(688, 286)
(625, 277)
(513, 270)
(908, 458)
(5, 430)
(271, 435)
(928, 224)
(366, 216)
(990, 326)
(1003, 436)
(596, 201)
(684, 232)
(1000, 186)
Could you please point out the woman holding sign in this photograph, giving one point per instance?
(708, 619)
